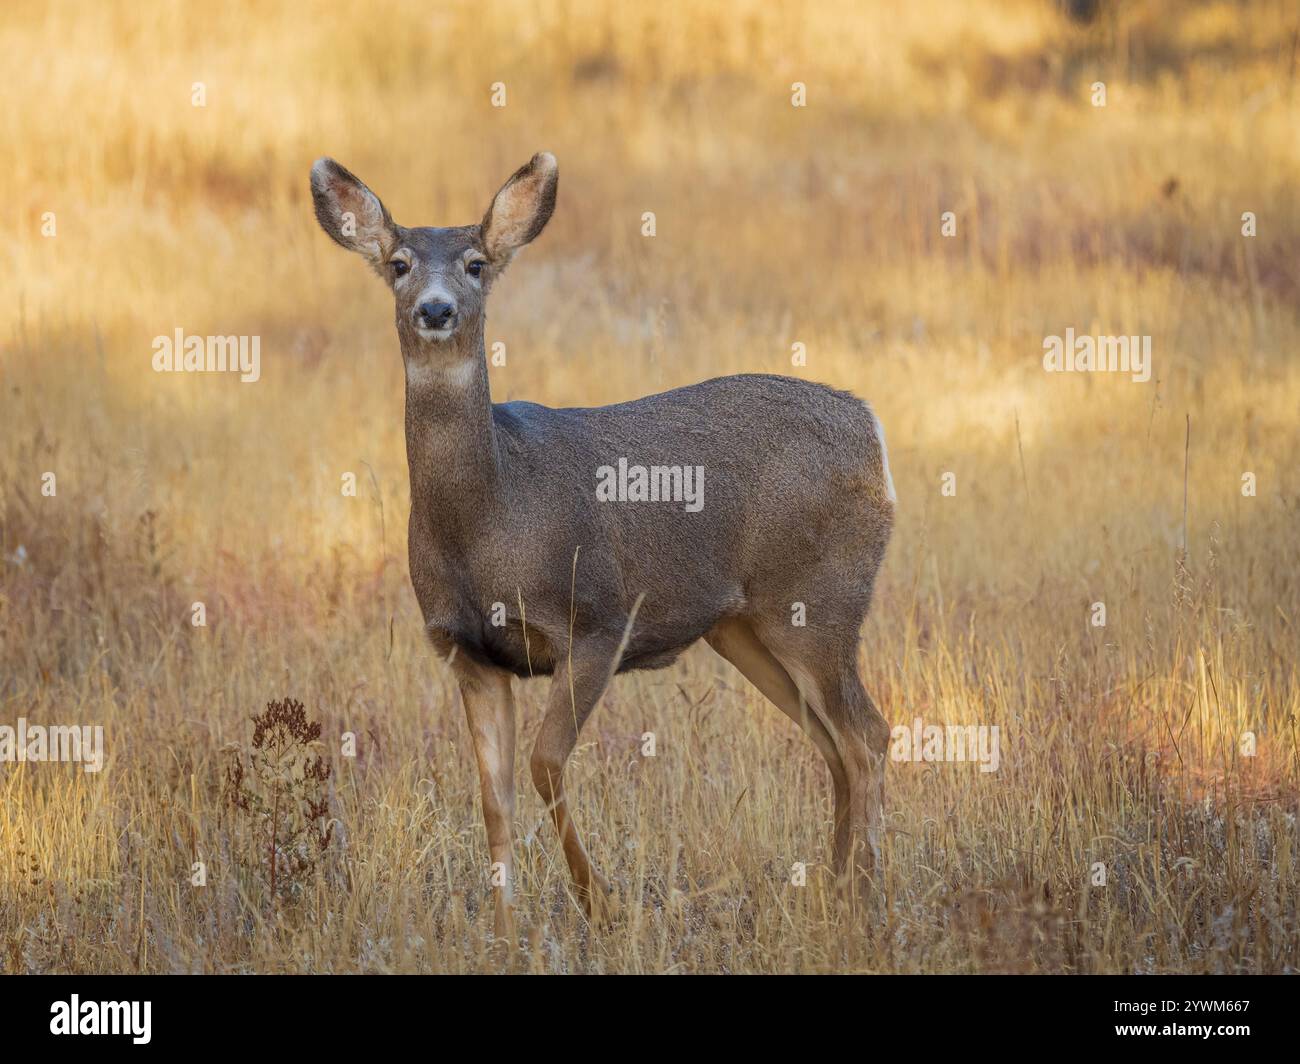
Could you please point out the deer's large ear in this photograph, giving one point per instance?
(520, 211)
(349, 212)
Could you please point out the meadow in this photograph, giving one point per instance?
(1143, 814)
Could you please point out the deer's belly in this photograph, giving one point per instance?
(507, 647)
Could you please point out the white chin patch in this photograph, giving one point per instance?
(435, 335)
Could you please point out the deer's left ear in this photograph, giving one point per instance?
(520, 211)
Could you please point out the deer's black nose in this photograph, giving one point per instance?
(434, 315)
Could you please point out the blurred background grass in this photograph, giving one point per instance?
(775, 225)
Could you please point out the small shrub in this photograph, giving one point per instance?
(281, 787)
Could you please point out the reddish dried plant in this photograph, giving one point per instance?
(281, 787)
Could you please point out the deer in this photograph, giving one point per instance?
(521, 570)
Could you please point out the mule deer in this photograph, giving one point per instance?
(504, 511)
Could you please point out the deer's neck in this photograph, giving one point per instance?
(451, 445)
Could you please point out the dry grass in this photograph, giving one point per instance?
(775, 224)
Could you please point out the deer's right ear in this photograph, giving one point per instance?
(349, 212)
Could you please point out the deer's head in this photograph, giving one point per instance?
(440, 278)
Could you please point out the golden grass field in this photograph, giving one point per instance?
(1120, 745)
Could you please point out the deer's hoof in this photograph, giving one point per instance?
(602, 901)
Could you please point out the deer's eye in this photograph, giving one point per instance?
(399, 267)
(475, 268)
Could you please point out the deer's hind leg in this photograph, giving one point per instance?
(826, 674)
(735, 640)
(864, 741)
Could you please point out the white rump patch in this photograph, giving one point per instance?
(884, 459)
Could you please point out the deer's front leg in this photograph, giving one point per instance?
(575, 690)
(490, 710)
